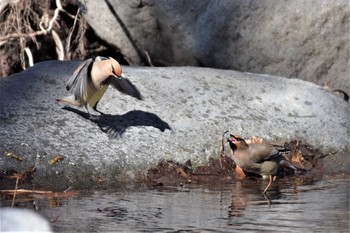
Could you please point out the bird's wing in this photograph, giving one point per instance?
(276, 152)
(273, 154)
(126, 87)
(80, 81)
(260, 152)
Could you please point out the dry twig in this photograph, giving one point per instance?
(223, 155)
(18, 176)
(59, 45)
(21, 191)
(69, 39)
(30, 56)
(24, 16)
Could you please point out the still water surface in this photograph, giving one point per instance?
(235, 207)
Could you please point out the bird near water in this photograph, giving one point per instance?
(91, 79)
(258, 158)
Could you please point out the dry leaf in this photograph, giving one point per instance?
(56, 159)
(298, 159)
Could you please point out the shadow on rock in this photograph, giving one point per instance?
(116, 125)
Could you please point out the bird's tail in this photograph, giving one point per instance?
(287, 164)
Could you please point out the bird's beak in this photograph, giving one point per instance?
(233, 138)
(119, 77)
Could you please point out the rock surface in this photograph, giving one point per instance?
(308, 40)
(22, 220)
(184, 112)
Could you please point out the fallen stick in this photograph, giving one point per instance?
(20, 191)
(222, 149)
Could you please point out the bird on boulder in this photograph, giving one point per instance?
(91, 79)
(258, 158)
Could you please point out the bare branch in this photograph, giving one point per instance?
(43, 30)
(69, 39)
(59, 45)
(30, 56)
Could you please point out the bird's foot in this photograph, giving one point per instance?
(101, 113)
(267, 199)
(98, 111)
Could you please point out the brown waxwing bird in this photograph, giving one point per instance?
(258, 158)
(91, 79)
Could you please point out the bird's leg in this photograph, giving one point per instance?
(95, 109)
(87, 109)
(268, 186)
(91, 117)
(267, 199)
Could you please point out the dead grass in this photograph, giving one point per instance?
(32, 25)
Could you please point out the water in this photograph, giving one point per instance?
(234, 207)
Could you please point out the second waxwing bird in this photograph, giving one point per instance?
(258, 158)
(91, 79)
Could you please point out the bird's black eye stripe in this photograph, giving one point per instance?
(113, 70)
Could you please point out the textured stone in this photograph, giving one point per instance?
(308, 40)
(22, 220)
(184, 112)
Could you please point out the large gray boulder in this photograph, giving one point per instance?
(184, 112)
(308, 40)
(22, 220)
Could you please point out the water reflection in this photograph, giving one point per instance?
(237, 206)
(320, 207)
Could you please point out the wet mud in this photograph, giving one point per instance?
(217, 172)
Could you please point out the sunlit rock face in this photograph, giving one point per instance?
(295, 39)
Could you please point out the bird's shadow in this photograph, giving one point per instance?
(116, 125)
